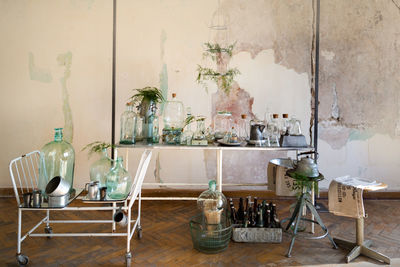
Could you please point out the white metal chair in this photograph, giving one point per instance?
(24, 175)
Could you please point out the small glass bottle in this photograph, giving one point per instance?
(234, 137)
(100, 168)
(119, 181)
(284, 124)
(128, 123)
(57, 158)
(139, 130)
(273, 130)
(152, 127)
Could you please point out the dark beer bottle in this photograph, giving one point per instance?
(240, 213)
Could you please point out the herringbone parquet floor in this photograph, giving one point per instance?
(167, 242)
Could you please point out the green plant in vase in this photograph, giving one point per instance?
(99, 168)
(146, 99)
(222, 76)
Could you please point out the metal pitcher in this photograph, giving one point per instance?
(256, 131)
(93, 190)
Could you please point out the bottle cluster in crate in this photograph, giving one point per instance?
(254, 214)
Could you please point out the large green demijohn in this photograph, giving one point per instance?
(57, 158)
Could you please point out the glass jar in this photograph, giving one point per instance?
(128, 124)
(119, 181)
(174, 120)
(151, 127)
(57, 158)
(284, 124)
(174, 114)
(212, 204)
(222, 124)
(100, 168)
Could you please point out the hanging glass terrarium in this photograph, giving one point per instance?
(118, 182)
(174, 119)
(57, 158)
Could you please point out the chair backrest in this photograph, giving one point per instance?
(139, 177)
(24, 172)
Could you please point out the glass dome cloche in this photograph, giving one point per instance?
(212, 204)
(57, 158)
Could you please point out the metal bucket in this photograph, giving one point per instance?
(57, 187)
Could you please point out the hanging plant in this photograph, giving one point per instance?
(223, 80)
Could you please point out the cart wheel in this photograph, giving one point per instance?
(139, 233)
(128, 259)
(22, 260)
(48, 230)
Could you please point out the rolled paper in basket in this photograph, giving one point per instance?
(213, 216)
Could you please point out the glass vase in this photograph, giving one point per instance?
(57, 158)
(128, 124)
(119, 181)
(100, 168)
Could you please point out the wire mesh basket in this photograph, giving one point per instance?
(210, 238)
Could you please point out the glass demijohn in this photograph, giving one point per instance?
(128, 124)
(57, 158)
(100, 168)
(212, 204)
(119, 181)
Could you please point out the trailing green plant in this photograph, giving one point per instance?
(302, 181)
(223, 80)
(147, 94)
(96, 147)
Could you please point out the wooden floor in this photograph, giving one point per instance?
(167, 242)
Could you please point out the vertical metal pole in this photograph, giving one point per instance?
(219, 169)
(19, 231)
(316, 97)
(113, 213)
(113, 77)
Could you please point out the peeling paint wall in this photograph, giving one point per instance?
(160, 43)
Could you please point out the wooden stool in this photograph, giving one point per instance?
(361, 246)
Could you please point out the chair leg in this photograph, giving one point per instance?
(298, 219)
(374, 255)
(354, 253)
(294, 214)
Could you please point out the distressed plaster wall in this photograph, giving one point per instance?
(160, 43)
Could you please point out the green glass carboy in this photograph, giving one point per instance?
(57, 158)
(119, 181)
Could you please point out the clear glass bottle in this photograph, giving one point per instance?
(244, 128)
(128, 124)
(267, 116)
(187, 135)
(284, 124)
(139, 130)
(294, 126)
(273, 130)
(57, 158)
(151, 127)
(212, 204)
(100, 168)
(222, 124)
(119, 181)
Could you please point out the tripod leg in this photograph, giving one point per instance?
(299, 215)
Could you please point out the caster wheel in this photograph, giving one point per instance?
(128, 259)
(139, 233)
(22, 260)
(48, 230)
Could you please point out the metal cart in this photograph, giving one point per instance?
(24, 176)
